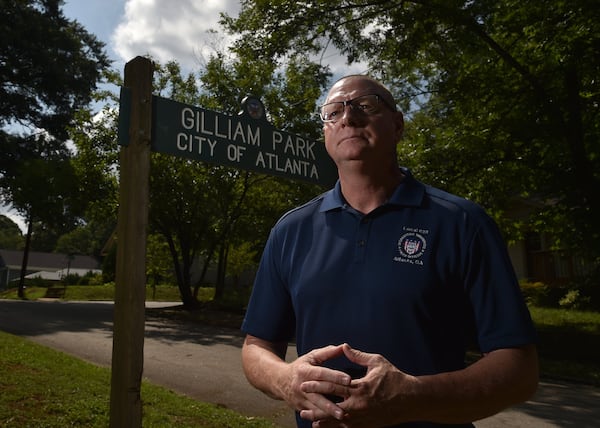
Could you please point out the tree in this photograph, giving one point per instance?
(158, 266)
(198, 207)
(48, 63)
(502, 96)
(49, 67)
(95, 165)
(11, 237)
(77, 241)
(290, 105)
(38, 193)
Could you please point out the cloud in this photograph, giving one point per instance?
(179, 30)
(14, 216)
(173, 30)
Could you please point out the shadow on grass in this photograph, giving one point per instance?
(570, 352)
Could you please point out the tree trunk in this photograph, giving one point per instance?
(221, 269)
(189, 300)
(207, 262)
(21, 290)
(185, 291)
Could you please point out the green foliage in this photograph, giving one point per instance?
(87, 279)
(49, 66)
(35, 289)
(501, 96)
(574, 300)
(536, 293)
(159, 267)
(90, 292)
(77, 241)
(41, 188)
(11, 237)
(581, 294)
(48, 63)
(202, 210)
(109, 264)
(95, 166)
(241, 257)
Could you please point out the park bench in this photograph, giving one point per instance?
(56, 292)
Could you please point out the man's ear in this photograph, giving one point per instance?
(399, 122)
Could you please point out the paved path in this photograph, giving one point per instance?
(203, 362)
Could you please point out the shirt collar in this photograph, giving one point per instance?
(409, 192)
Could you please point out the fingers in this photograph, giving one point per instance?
(319, 356)
(358, 357)
(322, 408)
(315, 384)
(331, 380)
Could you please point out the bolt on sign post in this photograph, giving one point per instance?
(151, 123)
(130, 288)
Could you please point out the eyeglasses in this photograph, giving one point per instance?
(366, 104)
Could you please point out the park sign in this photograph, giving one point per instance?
(246, 141)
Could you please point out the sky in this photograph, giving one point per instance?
(167, 30)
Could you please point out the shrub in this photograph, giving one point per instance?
(582, 293)
(574, 300)
(536, 293)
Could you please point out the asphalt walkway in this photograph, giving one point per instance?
(203, 362)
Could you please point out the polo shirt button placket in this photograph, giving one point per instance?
(361, 242)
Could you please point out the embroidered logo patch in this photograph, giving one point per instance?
(412, 245)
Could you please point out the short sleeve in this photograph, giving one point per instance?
(502, 319)
(270, 315)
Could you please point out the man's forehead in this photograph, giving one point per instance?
(353, 86)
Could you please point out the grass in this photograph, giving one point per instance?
(164, 293)
(568, 343)
(43, 388)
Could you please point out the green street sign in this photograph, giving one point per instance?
(246, 141)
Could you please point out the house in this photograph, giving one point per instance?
(52, 266)
(533, 257)
(533, 260)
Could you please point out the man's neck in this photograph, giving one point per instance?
(365, 193)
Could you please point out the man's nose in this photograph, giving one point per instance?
(350, 115)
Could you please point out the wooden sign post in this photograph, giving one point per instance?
(130, 287)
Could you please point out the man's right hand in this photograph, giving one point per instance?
(265, 367)
(331, 382)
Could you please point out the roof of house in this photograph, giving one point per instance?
(47, 261)
(60, 274)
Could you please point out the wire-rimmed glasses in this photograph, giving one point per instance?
(367, 104)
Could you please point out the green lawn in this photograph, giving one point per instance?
(569, 343)
(43, 388)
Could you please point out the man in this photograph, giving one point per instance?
(384, 282)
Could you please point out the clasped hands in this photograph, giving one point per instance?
(366, 402)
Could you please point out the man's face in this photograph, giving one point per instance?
(361, 137)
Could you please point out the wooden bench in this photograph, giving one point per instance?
(55, 292)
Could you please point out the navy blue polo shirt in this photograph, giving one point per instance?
(417, 280)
